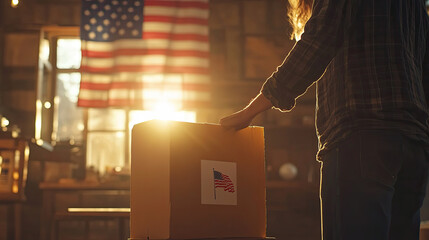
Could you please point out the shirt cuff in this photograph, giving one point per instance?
(280, 98)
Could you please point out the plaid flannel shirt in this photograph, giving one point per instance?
(370, 62)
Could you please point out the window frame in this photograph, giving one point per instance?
(47, 83)
(46, 91)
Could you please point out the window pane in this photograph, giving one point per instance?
(68, 54)
(105, 150)
(68, 85)
(70, 117)
(106, 119)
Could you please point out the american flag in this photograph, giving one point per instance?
(139, 53)
(223, 181)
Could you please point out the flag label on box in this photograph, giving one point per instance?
(218, 182)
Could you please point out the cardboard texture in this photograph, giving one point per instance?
(173, 164)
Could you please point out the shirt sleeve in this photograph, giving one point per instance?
(425, 73)
(323, 36)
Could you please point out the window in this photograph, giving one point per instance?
(103, 132)
(68, 118)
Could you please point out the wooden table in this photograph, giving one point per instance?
(49, 209)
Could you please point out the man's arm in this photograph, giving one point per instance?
(243, 118)
(323, 36)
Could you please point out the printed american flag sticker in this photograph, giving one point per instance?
(218, 182)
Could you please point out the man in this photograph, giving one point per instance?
(370, 61)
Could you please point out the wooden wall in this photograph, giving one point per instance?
(19, 39)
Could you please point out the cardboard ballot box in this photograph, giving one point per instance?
(191, 181)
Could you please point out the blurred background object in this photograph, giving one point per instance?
(288, 171)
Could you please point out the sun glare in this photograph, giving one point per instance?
(162, 114)
(162, 110)
(163, 99)
(14, 3)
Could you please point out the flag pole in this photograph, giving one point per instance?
(214, 186)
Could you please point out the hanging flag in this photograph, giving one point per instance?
(223, 181)
(145, 54)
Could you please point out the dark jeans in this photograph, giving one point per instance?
(372, 187)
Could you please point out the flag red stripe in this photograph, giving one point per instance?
(135, 85)
(224, 184)
(97, 54)
(139, 52)
(176, 37)
(229, 188)
(175, 20)
(145, 69)
(180, 4)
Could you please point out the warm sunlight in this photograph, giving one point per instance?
(161, 114)
(163, 96)
(14, 3)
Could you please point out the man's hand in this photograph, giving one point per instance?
(238, 120)
(244, 117)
